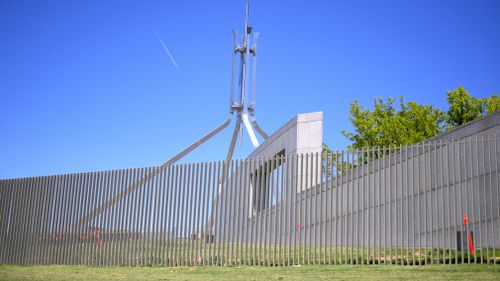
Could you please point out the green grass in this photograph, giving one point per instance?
(191, 252)
(339, 272)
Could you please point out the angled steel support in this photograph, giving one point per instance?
(225, 173)
(198, 143)
(153, 173)
(230, 151)
(249, 129)
(258, 128)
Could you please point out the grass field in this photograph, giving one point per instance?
(339, 272)
(181, 252)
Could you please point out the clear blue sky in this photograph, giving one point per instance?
(86, 85)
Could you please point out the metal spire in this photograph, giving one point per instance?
(240, 106)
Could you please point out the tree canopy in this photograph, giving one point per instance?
(394, 122)
(463, 107)
(492, 104)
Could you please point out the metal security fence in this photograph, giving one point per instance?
(408, 205)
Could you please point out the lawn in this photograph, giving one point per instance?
(324, 272)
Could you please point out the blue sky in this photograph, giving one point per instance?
(86, 85)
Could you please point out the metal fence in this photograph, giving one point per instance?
(408, 205)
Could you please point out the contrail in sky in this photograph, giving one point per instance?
(166, 50)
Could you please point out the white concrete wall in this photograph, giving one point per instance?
(302, 134)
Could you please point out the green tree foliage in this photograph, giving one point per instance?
(332, 162)
(394, 122)
(492, 104)
(391, 124)
(463, 107)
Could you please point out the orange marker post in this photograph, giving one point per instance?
(469, 236)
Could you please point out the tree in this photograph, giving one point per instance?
(332, 162)
(394, 122)
(393, 125)
(492, 104)
(463, 107)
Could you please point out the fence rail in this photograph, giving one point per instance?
(409, 205)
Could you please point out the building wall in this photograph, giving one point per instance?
(417, 197)
(303, 134)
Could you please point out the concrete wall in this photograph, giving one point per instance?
(417, 197)
(486, 126)
(302, 134)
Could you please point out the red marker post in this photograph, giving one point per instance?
(469, 235)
